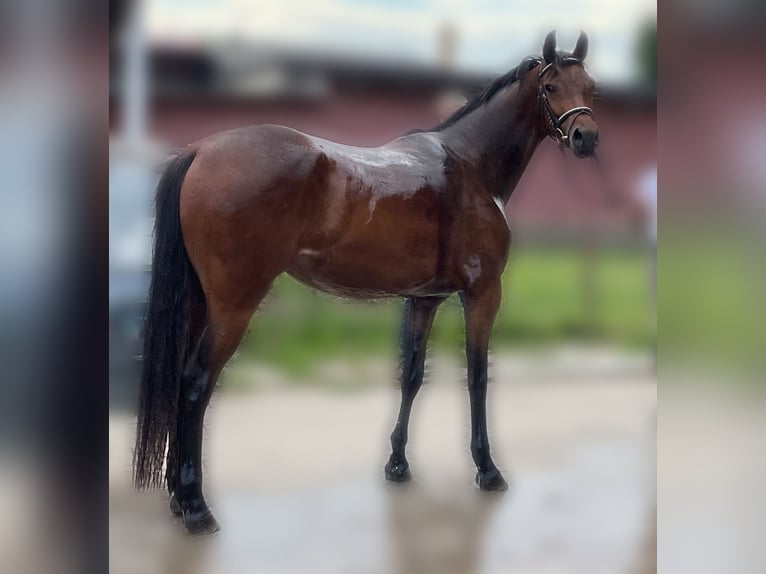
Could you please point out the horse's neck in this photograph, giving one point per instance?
(498, 139)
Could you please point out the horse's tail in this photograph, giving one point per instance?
(171, 323)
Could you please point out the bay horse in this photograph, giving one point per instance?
(420, 217)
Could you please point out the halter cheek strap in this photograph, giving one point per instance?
(556, 121)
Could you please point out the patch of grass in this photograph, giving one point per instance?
(711, 300)
(550, 295)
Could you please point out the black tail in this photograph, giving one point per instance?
(175, 299)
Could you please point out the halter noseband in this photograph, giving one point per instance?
(556, 121)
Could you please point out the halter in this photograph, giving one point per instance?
(556, 121)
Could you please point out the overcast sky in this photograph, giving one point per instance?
(492, 35)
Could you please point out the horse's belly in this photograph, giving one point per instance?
(352, 273)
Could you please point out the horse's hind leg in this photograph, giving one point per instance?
(416, 325)
(220, 339)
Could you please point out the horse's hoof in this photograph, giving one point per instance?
(398, 472)
(201, 524)
(491, 481)
(175, 507)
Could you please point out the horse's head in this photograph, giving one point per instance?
(565, 90)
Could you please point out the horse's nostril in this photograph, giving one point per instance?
(577, 134)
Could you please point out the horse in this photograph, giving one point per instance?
(421, 217)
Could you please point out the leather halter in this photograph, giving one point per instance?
(555, 121)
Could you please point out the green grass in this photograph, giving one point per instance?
(712, 300)
(546, 298)
(544, 301)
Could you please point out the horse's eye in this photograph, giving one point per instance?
(549, 88)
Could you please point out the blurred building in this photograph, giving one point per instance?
(197, 90)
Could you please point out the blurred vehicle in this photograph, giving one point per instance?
(132, 179)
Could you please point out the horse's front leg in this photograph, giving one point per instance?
(481, 306)
(416, 325)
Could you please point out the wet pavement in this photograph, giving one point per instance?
(295, 478)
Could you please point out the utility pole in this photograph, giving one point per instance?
(446, 45)
(134, 77)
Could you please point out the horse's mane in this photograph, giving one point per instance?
(492, 88)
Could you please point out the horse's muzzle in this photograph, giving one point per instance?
(583, 141)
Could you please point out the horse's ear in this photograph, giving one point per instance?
(549, 47)
(581, 49)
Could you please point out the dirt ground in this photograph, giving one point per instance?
(295, 476)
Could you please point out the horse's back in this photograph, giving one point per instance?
(261, 151)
